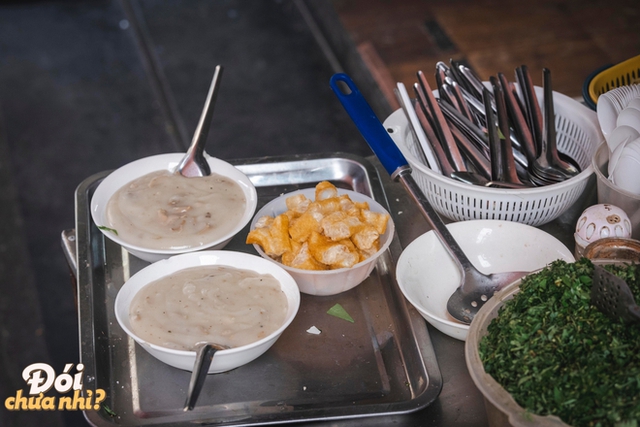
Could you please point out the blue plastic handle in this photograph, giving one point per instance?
(368, 124)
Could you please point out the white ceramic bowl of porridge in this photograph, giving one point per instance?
(153, 220)
(204, 310)
(334, 281)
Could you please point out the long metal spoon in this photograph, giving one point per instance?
(418, 132)
(457, 92)
(193, 164)
(474, 155)
(443, 160)
(440, 126)
(545, 170)
(495, 147)
(477, 135)
(531, 106)
(518, 120)
(475, 288)
(510, 173)
(204, 356)
(549, 128)
(466, 77)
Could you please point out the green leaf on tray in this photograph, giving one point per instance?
(108, 411)
(339, 311)
(102, 227)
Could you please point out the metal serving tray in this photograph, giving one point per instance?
(381, 364)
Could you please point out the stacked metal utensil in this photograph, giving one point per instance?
(494, 135)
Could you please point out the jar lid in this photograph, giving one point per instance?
(600, 221)
(614, 248)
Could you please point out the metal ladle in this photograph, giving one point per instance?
(193, 164)
(204, 356)
(475, 288)
(612, 296)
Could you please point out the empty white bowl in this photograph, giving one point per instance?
(615, 156)
(607, 112)
(224, 360)
(634, 103)
(629, 117)
(621, 133)
(626, 172)
(428, 276)
(610, 105)
(127, 173)
(328, 282)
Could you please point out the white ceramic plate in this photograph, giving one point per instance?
(428, 276)
(224, 360)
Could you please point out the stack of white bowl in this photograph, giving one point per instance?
(619, 116)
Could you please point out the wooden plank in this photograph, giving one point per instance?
(380, 73)
(570, 37)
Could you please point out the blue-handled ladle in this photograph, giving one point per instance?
(475, 287)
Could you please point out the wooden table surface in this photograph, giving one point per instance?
(572, 38)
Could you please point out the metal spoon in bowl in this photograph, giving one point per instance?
(193, 164)
(204, 356)
(475, 288)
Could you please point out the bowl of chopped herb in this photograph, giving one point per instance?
(542, 355)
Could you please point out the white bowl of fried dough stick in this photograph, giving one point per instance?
(328, 239)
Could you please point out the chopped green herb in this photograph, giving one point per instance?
(555, 353)
(102, 227)
(339, 311)
(108, 411)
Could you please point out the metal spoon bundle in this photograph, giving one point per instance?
(498, 135)
(547, 168)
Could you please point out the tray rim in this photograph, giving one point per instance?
(414, 322)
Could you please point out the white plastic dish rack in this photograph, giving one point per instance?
(578, 136)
